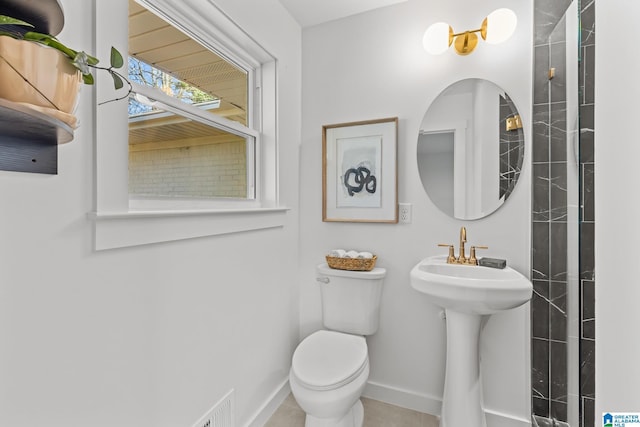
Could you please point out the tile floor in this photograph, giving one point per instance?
(376, 414)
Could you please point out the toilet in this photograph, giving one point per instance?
(330, 367)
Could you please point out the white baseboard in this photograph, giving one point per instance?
(404, 398)
(389, 394)
(271, 405)
(498, 419)
(433, 405)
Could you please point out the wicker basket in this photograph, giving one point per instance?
(352, 264)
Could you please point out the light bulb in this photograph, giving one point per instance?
(437, 38)
(501, 23)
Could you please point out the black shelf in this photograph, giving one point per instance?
(45, 15)
(29, 139)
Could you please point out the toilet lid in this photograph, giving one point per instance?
(327, 360)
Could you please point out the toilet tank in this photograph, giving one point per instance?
(350, 299)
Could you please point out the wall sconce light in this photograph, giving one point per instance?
(496, 28)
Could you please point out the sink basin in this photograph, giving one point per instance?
(469, 288)
(467, 293)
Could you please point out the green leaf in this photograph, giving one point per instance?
(87, 79)
(51, 41)
(7, 20)
(116, 58)
(92, 60)
(117, 81)
(38, 37)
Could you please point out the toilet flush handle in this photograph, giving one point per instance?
(322, 279)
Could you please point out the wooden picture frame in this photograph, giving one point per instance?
(360, 171)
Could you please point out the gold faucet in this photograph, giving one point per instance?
(462, 257)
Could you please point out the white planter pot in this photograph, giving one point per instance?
(47, 69)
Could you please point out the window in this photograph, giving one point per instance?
(174, 159)
(199, 126)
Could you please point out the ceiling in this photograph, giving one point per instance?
(314, 12)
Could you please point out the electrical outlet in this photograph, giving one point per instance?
(404, 212)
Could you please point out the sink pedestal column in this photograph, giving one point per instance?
(462, 402)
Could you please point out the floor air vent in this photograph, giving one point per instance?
(221, 415)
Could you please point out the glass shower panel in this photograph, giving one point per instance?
(564, 310)
(573, 215)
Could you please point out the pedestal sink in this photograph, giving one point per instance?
(467, 293)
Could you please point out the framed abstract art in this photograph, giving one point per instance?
(359, 171)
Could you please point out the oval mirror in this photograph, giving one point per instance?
(470, 149)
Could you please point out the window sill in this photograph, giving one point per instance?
(134, 228)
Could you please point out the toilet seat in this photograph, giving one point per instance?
(327, 360)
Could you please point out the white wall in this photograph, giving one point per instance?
(373, 66)
(617, 212)
(151, 335)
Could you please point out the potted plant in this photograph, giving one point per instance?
(38, 70)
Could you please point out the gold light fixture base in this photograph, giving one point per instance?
(451, 35)
(465, 43)
(483, 29)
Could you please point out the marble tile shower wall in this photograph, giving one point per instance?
(549, 263)
(549, 228)
(587, 220)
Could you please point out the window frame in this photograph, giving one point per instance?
(175, 106)
(119, 223)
